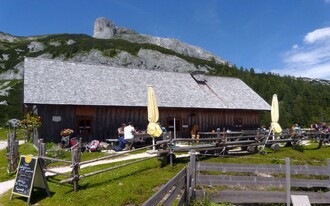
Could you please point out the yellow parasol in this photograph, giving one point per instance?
(276, 128)
(153, 114)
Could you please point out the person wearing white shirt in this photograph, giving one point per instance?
(129, 132)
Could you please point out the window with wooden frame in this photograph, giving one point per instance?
(85, 126)
(85, 120)
(170, 124)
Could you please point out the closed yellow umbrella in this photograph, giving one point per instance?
(276, 128)
(153, 114)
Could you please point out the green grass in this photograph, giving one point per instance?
(5, 131)
(27, 148)
(134, 184)
(310, 155)
(125, 186)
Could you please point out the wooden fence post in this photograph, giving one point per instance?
(15, 156)
(288, 180)
(41, 151)
(79, 148)
(75, 170)
(12, 153)
(187, 184)
(191, 177)
(224, 135)
(171, 149)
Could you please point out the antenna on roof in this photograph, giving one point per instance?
(198, 76)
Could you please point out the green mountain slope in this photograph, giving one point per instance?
(301, 100)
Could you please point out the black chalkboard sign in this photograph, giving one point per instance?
(29, 175)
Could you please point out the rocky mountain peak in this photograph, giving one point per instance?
(106, 29)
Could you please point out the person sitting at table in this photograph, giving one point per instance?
(121, 141)
(120, 130)
(295, 130)
(194, 132)
(129, 132)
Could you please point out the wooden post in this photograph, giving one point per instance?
(75, 164)
(224, 135)
(288, 181)
(8, 155)
(171, 150)
(258, 135)
(218, 132)
(192, 172)
(41, 152)
(12, 153)
(80, 148)
(15, 156)
(40, 141)
(187, 184)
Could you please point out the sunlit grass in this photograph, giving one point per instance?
(134, 184)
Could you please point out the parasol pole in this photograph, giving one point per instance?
(174, 129)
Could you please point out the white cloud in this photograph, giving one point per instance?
(318, 35)
(311, 59)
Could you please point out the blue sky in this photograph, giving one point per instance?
(281, 36)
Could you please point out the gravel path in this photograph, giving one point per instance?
(7, 185)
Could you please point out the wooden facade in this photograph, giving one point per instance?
(101, 122)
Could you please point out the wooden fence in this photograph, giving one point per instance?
(179, 190)
(249, 179)
(245, 183)
(76, 162)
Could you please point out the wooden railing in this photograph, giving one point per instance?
(179, 190)
(76, 162)
(264, 179)
(246, 183)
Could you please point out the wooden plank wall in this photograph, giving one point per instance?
(106, 120)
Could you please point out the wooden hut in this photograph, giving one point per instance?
(94, 100)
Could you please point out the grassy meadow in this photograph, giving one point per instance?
(134, 184)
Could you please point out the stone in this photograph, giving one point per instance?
(104, 28)
(55, 43)
(5, 57)
(35, 46)
(70, 42)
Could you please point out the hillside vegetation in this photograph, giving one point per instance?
(301, 100)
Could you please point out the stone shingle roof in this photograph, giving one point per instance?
(58, 82)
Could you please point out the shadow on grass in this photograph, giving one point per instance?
(36, 196)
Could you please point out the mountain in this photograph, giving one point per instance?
(123, 47)
(106, 29)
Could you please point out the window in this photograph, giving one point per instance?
(85, 119)
(238, 123)
(170, 124)
(85, 126)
